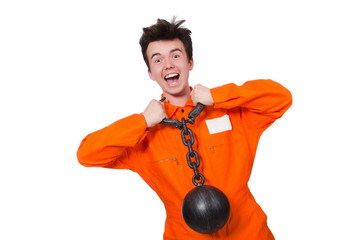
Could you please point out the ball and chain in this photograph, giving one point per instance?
(205, 208)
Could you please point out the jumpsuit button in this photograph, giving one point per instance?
(182, 110)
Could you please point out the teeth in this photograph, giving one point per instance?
(171, 76)
(172, 82)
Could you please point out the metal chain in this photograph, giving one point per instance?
(198, 179)
(192, 154)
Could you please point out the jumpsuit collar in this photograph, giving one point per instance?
(171, 109)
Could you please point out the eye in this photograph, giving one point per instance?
(158, 60)
(176, 56)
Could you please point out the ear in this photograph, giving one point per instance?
(150, 75)
(191, 64)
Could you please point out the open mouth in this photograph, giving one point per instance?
(172, 78)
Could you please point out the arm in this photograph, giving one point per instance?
(264, 97)
(261, 101)
(106, 147)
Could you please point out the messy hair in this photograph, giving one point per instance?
(164, 30)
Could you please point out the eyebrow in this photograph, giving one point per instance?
(173, 50)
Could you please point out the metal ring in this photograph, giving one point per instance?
(189, 145)
(198, 184)
(196, 171)
(188, 157)
(187, 131)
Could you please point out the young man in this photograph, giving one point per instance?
(226, 136)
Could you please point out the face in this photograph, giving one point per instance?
(169, 66)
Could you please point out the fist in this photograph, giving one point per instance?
(201, 94)
(154, 113)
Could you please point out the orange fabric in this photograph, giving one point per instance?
(159, 156)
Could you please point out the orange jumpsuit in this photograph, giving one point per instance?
(226, 138)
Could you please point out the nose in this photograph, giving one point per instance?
(168, 63)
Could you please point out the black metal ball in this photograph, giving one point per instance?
(205, 209)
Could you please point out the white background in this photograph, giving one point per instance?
(68, 68)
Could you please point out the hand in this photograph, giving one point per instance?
(154, 113)
(201, 94)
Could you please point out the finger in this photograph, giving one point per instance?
(194, 100)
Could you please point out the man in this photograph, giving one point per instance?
(227, 133)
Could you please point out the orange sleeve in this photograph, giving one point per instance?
(108, 147)
(263, 99)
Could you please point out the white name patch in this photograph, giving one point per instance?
(220, 124)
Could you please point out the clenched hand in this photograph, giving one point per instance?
(154, 113)
(201, 94)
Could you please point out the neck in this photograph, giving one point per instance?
(178, 100)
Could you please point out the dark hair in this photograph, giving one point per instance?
(164, 30)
